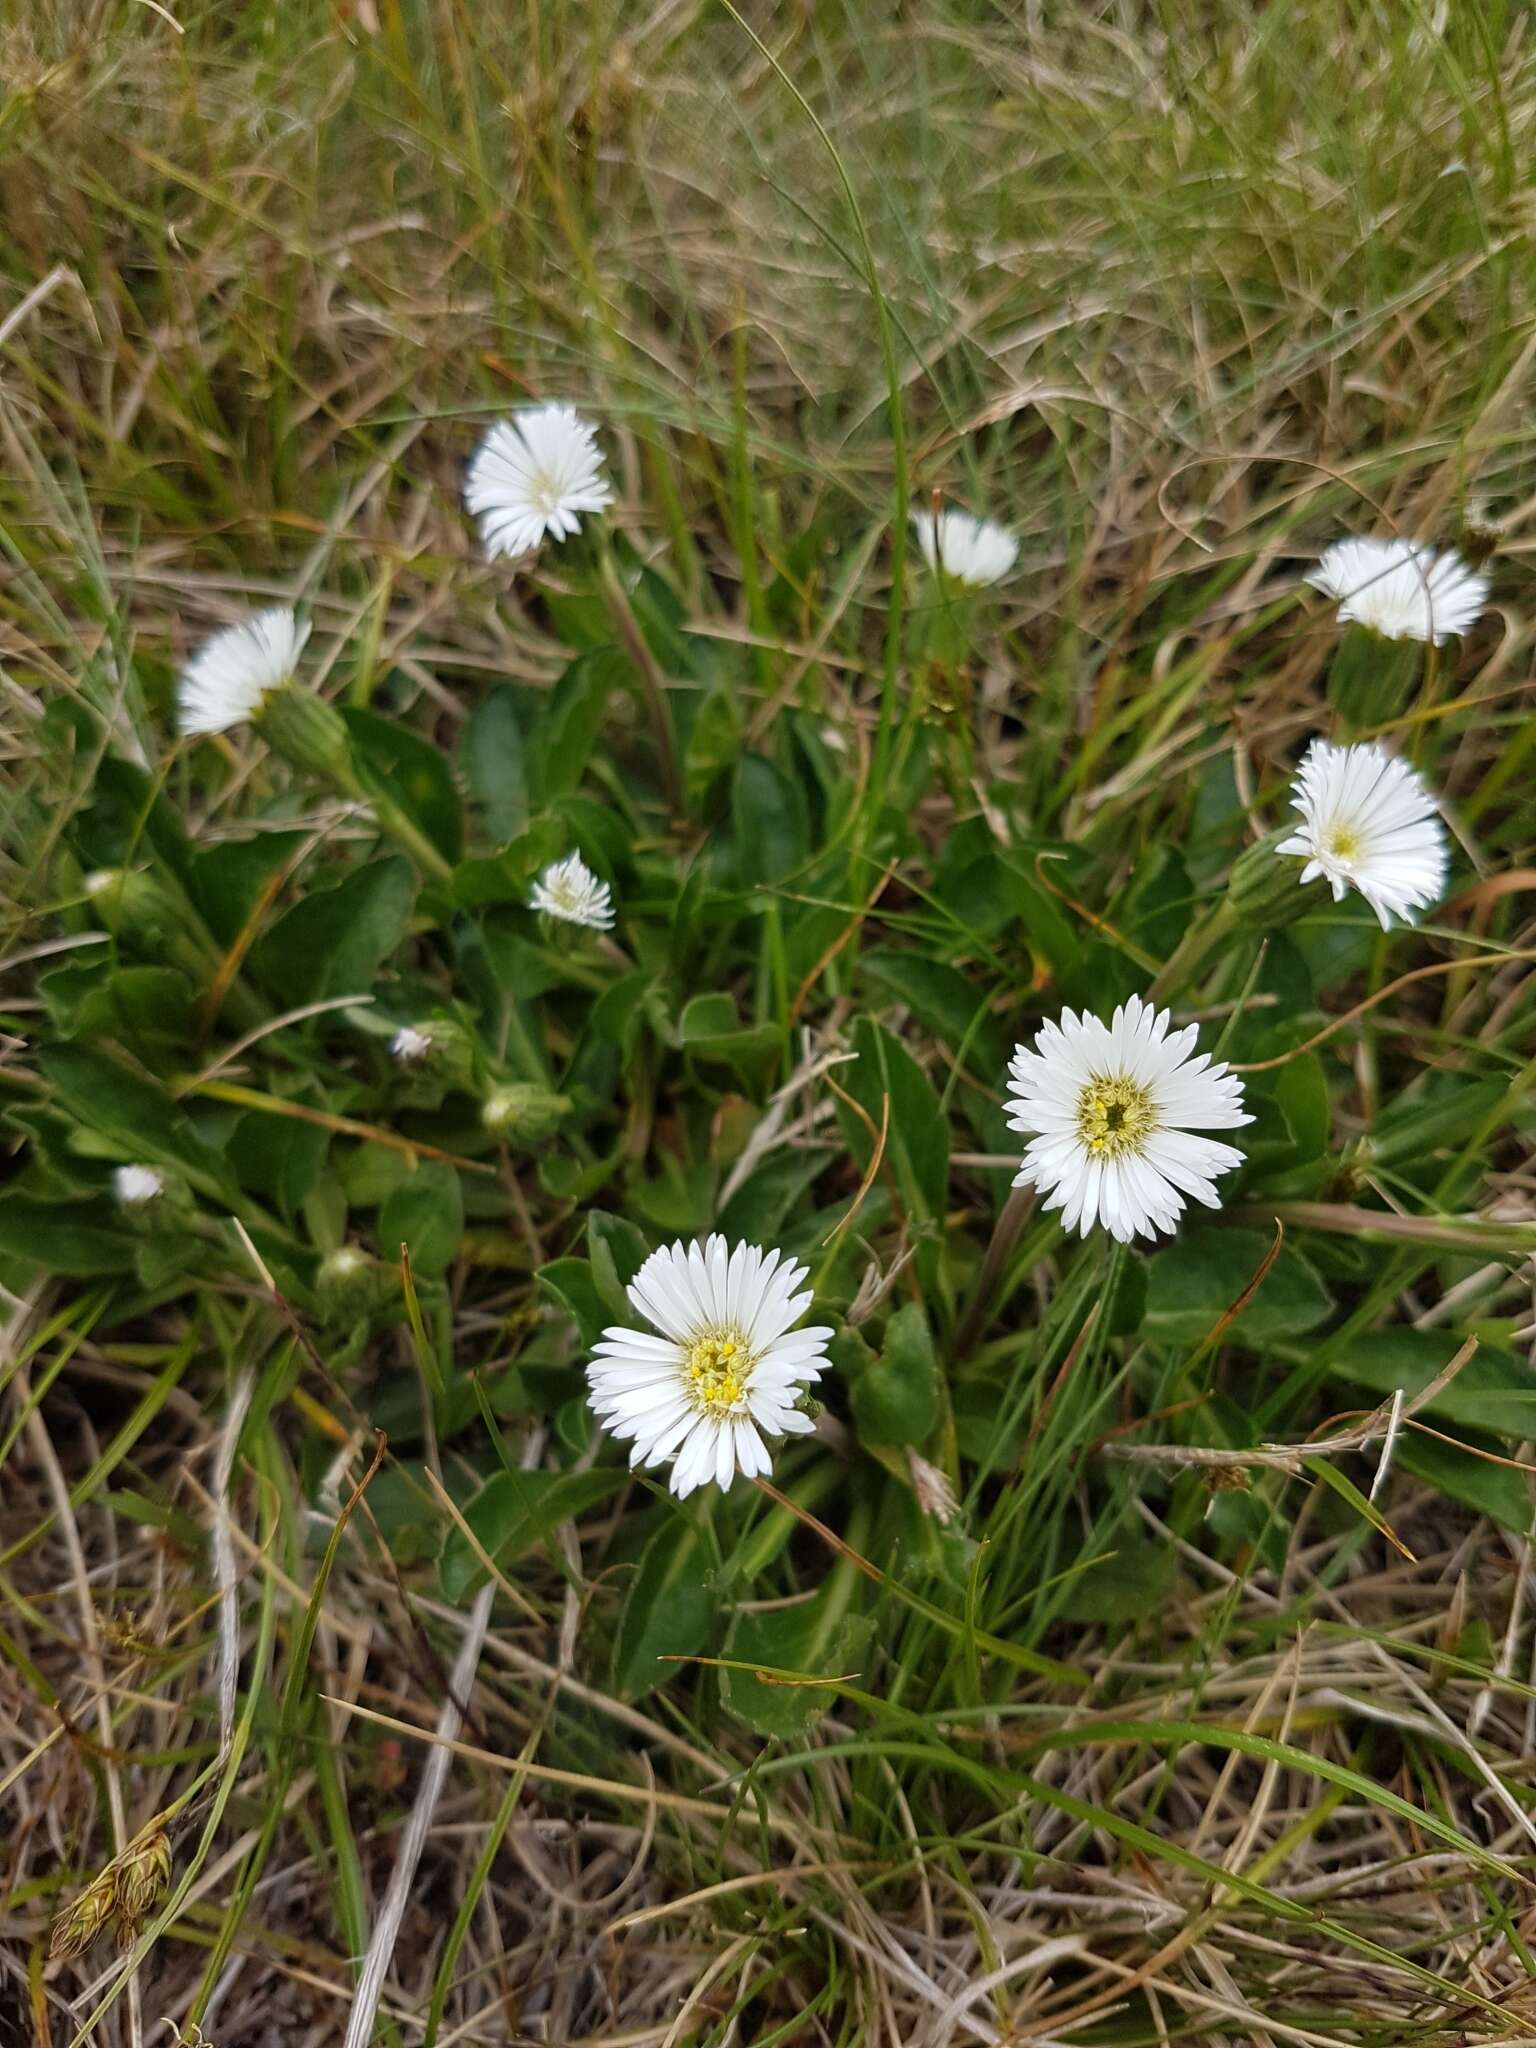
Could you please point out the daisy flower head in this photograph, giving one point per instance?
(1114, 1110)
(232, 674)
(968, 550)
(722, 1367)
(1401, 588)
(535, 474)
(570, 891)
(135, 1186)
(1368, 822)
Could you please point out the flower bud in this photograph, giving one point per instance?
(130, 902)
(308, 732)
(1265, 887)
(351, 1285)
(440, 1049)
(523, 1110)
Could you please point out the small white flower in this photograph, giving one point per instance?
(726, 1366)
(410, 1045)
(973, 551)
(1401, 588)
(136, 1185)
(1369, 823)
(535, 474)
(231, 673)
(569, 890)
(1114, 1109)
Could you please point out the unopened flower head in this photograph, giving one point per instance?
(136, 1185)
(723, 1367)
(1401, 588)
(535, 474)
(968, 550)
(231, 674)
(1369, 823)
(410, 1046)
(569, 890)
(1115, 1110)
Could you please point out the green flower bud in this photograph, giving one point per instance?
(351, 1285)
(307, 732)
(1265, 888)
(439, 1049)
(523, 1110)
(130, 902)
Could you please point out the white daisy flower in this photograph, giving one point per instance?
(1369, 823)
(1401, 588)
(973, 551)
(535, 474)
(229, 676)
(726, 1368)
(569, 890)
(136, 1185)
(1115, 1108)
(409, 1045)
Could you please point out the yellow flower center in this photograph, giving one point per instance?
(1114, 1115)
(1343, 843)
(715, 1371)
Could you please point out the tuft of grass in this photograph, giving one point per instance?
(1141, 1649)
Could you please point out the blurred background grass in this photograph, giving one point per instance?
(1180, 291)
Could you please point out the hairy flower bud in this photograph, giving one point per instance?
(1264, 889)
(307, 732)
(523, 1110)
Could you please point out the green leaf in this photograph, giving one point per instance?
(768, 815)
(669, 1609)
(896, 1399)
(1493, 1391)
(710, 1029)
(279, 1156)
(941, 998)
(505, 877)
(228, 878)
(495, 767)
(397, 763)
(759, 1208)
(1133, 1584)
(569, 1283)
(64, 1237)
(426, 1213)
(512, 1513)
(1302, 1094)
(1486, 1488)
(917, 1134)
(714, 743)
(153, 1006)
(573, 716)
(818, 1638)
(1196, 1279)
(144, 1123)
(334, 941)
(617, 1251)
